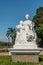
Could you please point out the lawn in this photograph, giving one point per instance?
(7, 60)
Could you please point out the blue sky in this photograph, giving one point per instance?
(12, 11)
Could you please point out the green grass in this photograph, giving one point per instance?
(7, 60)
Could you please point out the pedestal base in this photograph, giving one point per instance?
(25, 55)
(25, 58)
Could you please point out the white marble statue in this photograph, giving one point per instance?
(26, 37)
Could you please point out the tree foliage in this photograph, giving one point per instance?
(38, 20)
(11, 32)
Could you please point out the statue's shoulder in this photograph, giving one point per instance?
(28, 22)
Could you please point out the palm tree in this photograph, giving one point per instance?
(11, 32)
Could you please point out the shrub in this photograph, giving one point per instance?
(41, 58)
(5, 44)
(3, 50)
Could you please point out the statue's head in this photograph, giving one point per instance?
(21, 22)
(27, 16)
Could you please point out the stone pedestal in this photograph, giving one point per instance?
(25, 58)
(25, 55)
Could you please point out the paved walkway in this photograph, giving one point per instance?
(4, 53)
(41, 53)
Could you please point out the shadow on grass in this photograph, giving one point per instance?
(41, 58)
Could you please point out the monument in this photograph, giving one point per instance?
(25, 48)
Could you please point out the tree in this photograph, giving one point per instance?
(11, 32)
(38, 20)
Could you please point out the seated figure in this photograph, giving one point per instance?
(25, 31)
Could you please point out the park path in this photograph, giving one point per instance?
(41, 53)
(4, 53)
